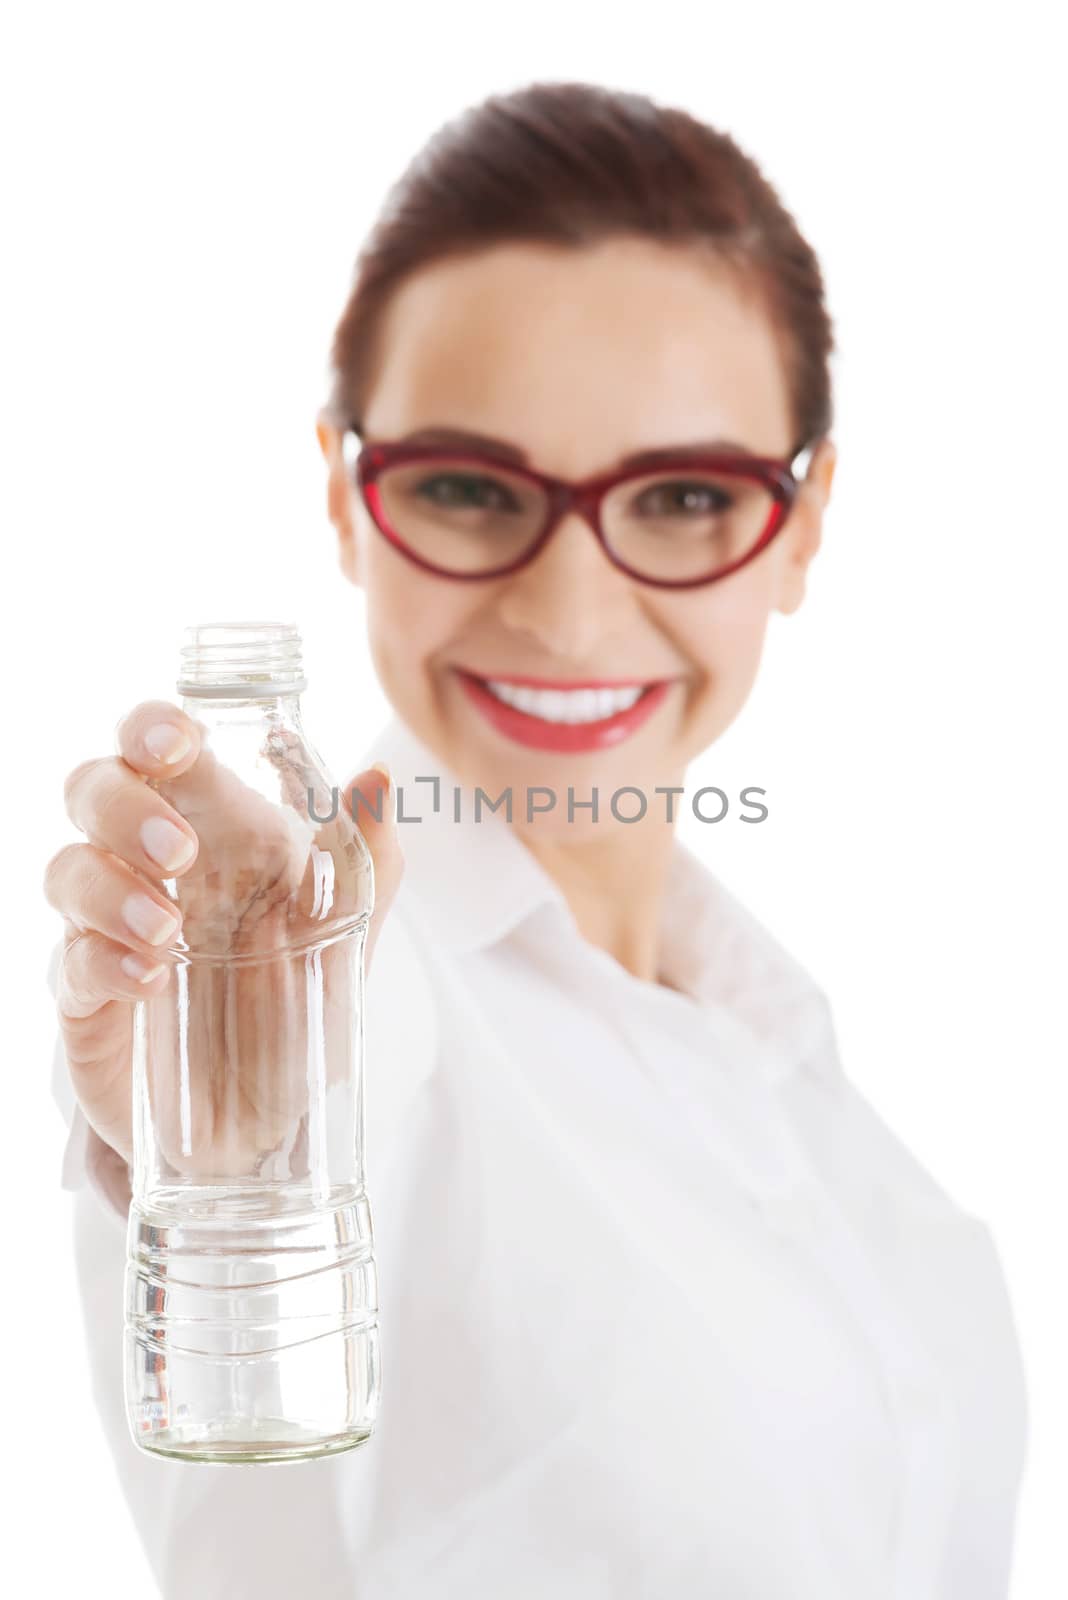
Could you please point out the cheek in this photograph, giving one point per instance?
(721, 632)
(412, 617)
(721, 629)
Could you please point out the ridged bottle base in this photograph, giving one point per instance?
(251, 1326)
(232, 1443)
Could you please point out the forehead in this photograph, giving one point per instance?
(580, 356)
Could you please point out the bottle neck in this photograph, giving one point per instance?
(234, 708)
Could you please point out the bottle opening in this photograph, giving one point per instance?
(241, 660)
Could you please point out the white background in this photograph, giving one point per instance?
(185, 188)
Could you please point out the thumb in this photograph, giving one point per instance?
(370, 800)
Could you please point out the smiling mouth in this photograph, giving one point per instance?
(566, 717)
(576, 704)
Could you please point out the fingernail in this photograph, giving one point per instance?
(140, 970)
(165, 843)
(148, 920)
(383, 768)
(166, 742)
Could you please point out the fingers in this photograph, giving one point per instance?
(119, 812)
(96, 969)
(158, 740)
(97, 1039)
(98, 893)
(369, 797)
(96, 1024)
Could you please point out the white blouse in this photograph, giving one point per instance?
(666, 1310)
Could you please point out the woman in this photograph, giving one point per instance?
(666, 1309)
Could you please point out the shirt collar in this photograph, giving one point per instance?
(474, 881)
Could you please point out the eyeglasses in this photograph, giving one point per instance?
(690, 519)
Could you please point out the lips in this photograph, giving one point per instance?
(540, 734)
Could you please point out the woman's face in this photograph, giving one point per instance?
(579, 358)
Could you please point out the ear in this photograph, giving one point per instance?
(339, 498)
(800, 539)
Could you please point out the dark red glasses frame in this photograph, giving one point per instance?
(781, 478)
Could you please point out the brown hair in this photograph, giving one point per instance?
(569, 164)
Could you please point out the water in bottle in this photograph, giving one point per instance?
(251, 1294)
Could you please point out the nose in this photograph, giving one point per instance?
(570, 597)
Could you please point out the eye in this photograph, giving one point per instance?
(683, 497)
(461, 489)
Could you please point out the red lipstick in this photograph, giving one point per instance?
(538, 734)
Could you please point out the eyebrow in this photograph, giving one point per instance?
(503, 451)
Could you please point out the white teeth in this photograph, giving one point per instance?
(566, 705)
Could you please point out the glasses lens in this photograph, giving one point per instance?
(679, 524)
(462, 516)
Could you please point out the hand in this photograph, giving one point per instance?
(118, 919)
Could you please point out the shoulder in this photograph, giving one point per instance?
(744, 968)
(778, 1000)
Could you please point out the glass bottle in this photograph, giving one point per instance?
(251, 1289)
